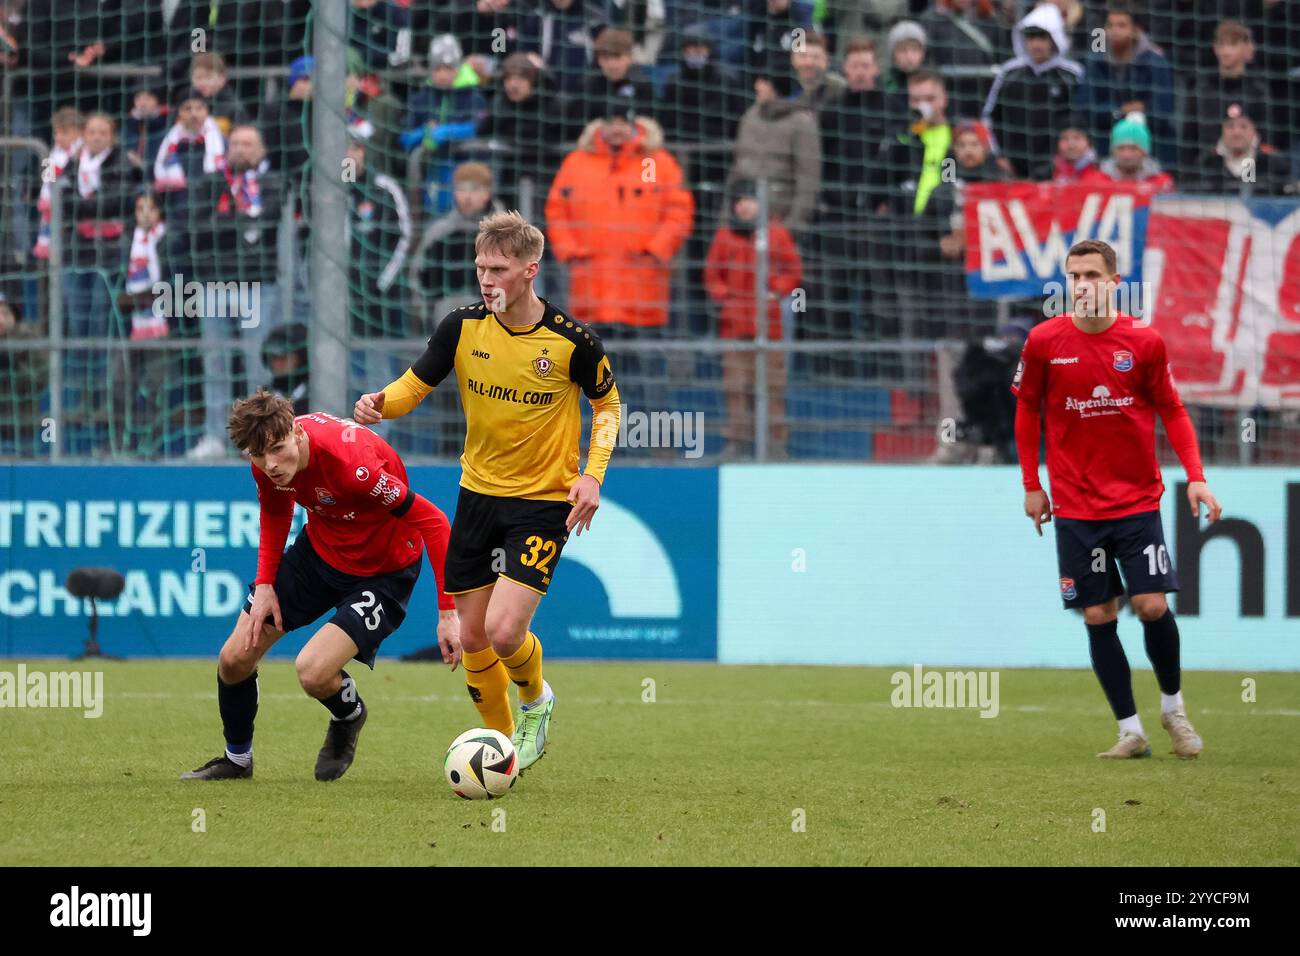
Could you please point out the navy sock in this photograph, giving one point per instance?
(238, 706)
(1162, 651)
(345, 703)
(1111, 667)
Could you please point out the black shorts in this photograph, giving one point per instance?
(368, 609)
(516, 538)
(1091, 555)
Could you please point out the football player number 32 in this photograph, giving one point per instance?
(1156, 557)
(365, 604)
(540, 552)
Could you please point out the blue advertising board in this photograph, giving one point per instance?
(641, 583)
(898, 565)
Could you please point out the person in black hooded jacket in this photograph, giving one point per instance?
(527, 120)
(702, 103)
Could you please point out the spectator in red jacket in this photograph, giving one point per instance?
(729, 275)
(1075, 160)
(1130, 159)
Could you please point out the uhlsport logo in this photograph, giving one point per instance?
(1123, 361)
(1068, 590)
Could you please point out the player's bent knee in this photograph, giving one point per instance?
(234, 664)
(1150, 607)
(314, 675)
(1099, 614)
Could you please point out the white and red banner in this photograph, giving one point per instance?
(1017, 234)
(1224, 280)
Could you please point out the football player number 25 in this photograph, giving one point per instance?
(365, 604)
(1156, 558)
(540, 552)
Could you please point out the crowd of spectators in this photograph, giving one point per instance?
(634, 131)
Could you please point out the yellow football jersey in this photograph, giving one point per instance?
(519, 389)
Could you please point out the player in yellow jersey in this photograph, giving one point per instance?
(520, 362)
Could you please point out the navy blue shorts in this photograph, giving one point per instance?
(367, 609)
(1092, 554)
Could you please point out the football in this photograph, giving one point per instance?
(481, 764)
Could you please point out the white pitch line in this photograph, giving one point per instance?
(636, 700)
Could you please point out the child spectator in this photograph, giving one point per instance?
(906, 48)
(447, 110)
(729, 275)
(67, 125)
(192, 146)
(208, 78)
(146, 125)
(145, 374)
(143, 269)
(442, 270)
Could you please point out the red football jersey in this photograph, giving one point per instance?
(1100, 394)
(352, 480)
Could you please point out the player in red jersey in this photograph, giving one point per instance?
(1099, 378)
(358, 555)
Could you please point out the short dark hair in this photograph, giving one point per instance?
(1095, 246)
(926, 76)
(860, 44)
(1127, 8)
(260, 421)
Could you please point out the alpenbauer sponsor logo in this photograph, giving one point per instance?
(1101, 403)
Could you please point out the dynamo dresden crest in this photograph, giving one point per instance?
(542, 366)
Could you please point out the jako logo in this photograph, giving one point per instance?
(103, 909)
(478, 353)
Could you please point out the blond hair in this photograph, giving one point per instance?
(511, 234)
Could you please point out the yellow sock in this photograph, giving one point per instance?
(489, 688)
(525, 668)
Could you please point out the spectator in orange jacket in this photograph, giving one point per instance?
(729, 275)
(616, 214)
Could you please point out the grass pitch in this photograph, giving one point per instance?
(721, 768)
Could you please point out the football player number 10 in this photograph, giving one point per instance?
(1156, 557)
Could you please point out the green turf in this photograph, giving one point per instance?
(712, 772)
